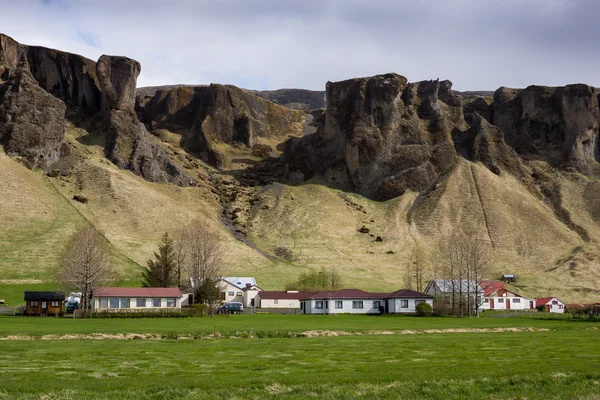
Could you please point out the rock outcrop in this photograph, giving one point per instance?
(32, 121)
(69, 77)
(557, 125)
(297, 99)
(219, 114)
(131, 146)
(382, 135)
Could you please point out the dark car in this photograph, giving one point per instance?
(72, 306)
(230, 308)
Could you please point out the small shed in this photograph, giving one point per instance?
(509, 278)
(44, 303)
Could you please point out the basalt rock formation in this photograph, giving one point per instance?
(32, 121)
(556, 125)
(131, 146)
(219, 114)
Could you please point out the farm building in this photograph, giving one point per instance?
(496, 296)
(44, 303)
(281, 299)
(238, 289)
(405, 301)
(551, 304)
(114, 298)
(509, 278)
(345, 301)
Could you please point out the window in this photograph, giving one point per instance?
(357, 304)
(171, 302)
(239, 293)
(54, 303)
(403, 303)
(103, 302)
(500, 300)
(555, 302)
(560, 306)
(376, 304)
(114, 302)
(140, 302)
(230, 294)
(339, 304)
(276, 301)
(319, 305)
(156, 302)
(516, 300)
(125, 302)
(486, 300)
(34, 303)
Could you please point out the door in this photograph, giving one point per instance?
(387, 306)
(531, 305)
(44, 307)
(491, 303)
(507, 300)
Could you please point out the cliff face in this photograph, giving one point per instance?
(556, 125)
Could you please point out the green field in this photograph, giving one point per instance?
(555, 360)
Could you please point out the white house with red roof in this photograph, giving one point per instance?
(496, 296)
(281, 299)
(355, 301)
(119, 298)
(551, 304)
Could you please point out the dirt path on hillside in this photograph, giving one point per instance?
(252, 335)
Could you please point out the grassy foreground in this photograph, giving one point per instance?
(268, 324)
(534, 365)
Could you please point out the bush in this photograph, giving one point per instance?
(187, 312)
(424, 309)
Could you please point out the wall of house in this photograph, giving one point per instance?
(96, 303)
(279, 303)
(231, 293)
(502, 303)
(555, 308)
(249, 295)
(49, 310)
(347, 308)
(395, 305)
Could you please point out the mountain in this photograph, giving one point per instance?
(354, 186)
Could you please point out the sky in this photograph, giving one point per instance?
(272, 44)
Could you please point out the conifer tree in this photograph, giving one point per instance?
(161, 271)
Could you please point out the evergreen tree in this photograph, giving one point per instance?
(161, 271)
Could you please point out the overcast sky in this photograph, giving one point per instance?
(270, 44)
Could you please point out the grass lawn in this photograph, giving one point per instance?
(534, 365)
(267, 323)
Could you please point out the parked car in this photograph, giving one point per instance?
(72, 306)
(231, 308)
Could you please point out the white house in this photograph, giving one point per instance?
(405, 301)
(551, 304)
(238, 289)
(345, 301)
(286, 299)
(497, 297)
(117, 298)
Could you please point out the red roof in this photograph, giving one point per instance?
(490, 287)
(137, 292)
(266, 295)
(406, 293)
(347, 294)
(544, 300)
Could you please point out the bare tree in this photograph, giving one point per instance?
(204, 253)
(335, 280)
(85, 264)
(420, 267)
(408, 277)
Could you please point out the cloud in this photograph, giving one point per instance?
(268, 44)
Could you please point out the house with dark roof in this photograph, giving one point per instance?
(44, 303)
(356, 301)
(496, 296)
(127, 298)
(281, 299)
(551, 305)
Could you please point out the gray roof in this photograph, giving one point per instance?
(44, 296)
(448, 286)
(240, 281)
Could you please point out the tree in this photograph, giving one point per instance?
(161, 271)
(204, 253)
(209, 293)
(335, 280)
(180, 238)
(85, 264)
(420, 267)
